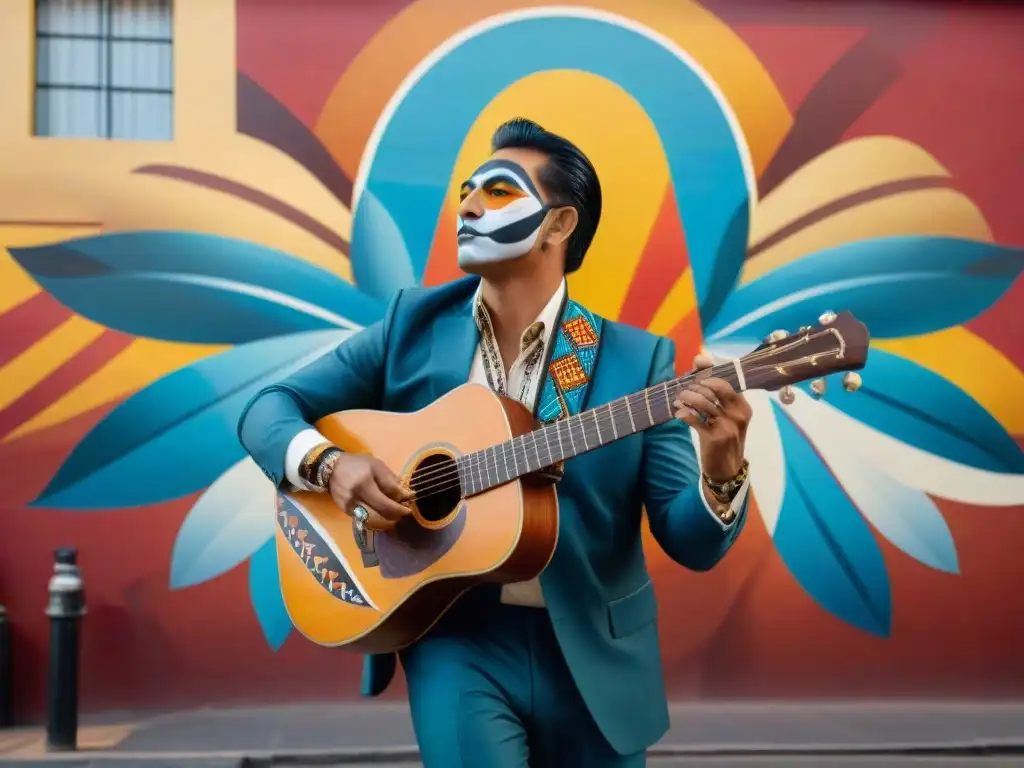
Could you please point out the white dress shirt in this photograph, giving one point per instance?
(523, 384)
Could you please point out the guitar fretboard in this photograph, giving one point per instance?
(587, 431)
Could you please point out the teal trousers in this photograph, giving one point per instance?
(489, 688)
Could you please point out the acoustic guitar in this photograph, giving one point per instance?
(482, 510)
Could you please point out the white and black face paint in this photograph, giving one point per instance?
(512, 213)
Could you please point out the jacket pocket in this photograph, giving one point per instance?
(633, 612)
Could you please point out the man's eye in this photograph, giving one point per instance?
(498, 193)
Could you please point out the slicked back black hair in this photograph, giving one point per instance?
(568, 176)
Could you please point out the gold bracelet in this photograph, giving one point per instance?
(309, 461)
(326, 468)
(725, 491)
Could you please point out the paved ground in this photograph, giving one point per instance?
(722, 735)
(697, 762)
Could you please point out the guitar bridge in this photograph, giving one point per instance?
(364, 541)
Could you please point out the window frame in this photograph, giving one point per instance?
(103, 84)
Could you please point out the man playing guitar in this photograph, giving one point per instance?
(563, 670)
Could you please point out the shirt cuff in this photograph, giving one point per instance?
(301, 444)
(737, 504)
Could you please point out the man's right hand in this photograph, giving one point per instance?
(361, 480)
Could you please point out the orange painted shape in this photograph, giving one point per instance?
(663, 261)
(443, 263)
(688, 337)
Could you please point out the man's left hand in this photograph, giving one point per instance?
(720, 415)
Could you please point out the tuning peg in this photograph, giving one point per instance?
(817, 388)
(776, 336)
(852, 381)
(787, 396)
(827, 318)
(805, 328)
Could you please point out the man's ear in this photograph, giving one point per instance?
(561, 224)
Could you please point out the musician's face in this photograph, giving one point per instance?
(501, 211)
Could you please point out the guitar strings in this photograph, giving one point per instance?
(610, 416)
(447, 478)
(604, 418)
(618, 406)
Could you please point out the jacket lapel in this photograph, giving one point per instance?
(454, 339)
(571, 366)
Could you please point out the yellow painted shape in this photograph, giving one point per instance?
(362, 92)
(17, 62)
(16, 286)
(680, 301)
(44, 357)
(137, 366)
(974, 365)
(934, 212)
(849, 168)
(205, 70)
(62, 181)
(629, 162)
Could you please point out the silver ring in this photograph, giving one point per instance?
(360, 513)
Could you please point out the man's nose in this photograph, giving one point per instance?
(471, 206)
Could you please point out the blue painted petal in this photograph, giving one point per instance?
(825, 542)
(192, 287)
(897, 286)
(411, 167)
(921, 408)
(906, 516)
(723, 271)
(380, 260)
(265, 595)
(179, 434)
(231, 520)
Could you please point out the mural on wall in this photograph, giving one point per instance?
(738, 200)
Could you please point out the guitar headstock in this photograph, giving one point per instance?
(838, 343)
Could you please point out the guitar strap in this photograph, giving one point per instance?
(570, 367)
(573, 355)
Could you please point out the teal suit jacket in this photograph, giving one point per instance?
(596, 587)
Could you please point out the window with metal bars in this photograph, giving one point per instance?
(104, 69)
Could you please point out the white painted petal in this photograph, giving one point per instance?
(767, 459)
(229, 522)
(911, 466)
(906, 516)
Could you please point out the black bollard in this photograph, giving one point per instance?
(65, 609)
(6, 672)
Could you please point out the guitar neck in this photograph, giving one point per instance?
(587, 431)
(838, 343)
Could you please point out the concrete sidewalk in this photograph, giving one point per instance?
(355, 733)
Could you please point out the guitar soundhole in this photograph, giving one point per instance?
(436, 484)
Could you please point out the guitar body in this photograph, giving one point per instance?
(386, 594)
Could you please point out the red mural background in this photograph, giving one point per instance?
(945, 76)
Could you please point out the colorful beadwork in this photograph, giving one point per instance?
(572, 364)
(580, 331)
(568, 372)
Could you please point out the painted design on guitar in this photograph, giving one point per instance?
(409, 548)
(572, 364)
(313, 546)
